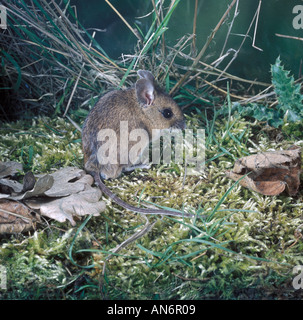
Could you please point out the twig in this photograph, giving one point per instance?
(289, 37)
(230, 27)
(159, 22)
(194, 28)
(256, 26)
(215, 71)
(25, 219)
(74, 89)
(223, 91)
(257, 97)
(238, 50)
(201, 53)
(74, 123)
(200, 255)
(121, 17)
(77, 81)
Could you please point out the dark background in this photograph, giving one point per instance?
(275, 17)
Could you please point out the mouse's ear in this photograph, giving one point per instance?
(145, 91)
(146, 75)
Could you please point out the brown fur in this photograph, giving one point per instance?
(143, 107)
(123, 105)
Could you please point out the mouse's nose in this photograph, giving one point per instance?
(180, 124)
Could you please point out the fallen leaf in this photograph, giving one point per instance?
(15, 217)
(43, 184)
(63, 195)
(67, 208)
(68, 181)
(61, 183)
(269, 173)
(9, 168)
(29, 181)
(9, 187)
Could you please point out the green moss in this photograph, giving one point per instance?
(293, 129)
(41, 144)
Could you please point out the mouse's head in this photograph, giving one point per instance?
(160, 110)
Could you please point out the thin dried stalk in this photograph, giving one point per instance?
(121, 17)
(201, 53)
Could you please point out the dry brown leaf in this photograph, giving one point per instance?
(67, 208)
(15, 217)
(42, 185)
(270, 173)
(29, 181)
(12, 189)
(67, 181)
(62, 195)
(61, 183)
(9, 187)
(9, 168)
(71, 196)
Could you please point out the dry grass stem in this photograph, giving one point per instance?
(201, 53)
(121, 17)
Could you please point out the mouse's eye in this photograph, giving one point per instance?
(167, 113)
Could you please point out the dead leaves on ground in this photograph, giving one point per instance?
(63, 195)
(269, 173)
(15, 217)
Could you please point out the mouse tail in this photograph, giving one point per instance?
(127, 206)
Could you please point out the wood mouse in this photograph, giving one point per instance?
(143, 106)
